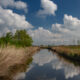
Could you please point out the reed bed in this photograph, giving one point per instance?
(72, 52)
(14, 58)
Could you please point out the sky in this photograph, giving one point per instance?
(48, 22)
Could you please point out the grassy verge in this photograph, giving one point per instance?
(70, 52)
(15, 60)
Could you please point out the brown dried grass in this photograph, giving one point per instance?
(11, 56)
(69, 50)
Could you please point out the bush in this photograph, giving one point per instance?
(20, 38)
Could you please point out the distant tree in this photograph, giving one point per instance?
(78, 42)
(22, 38)
(2, 41)
(8, 38)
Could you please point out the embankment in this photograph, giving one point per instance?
(14, 60)
(69, 52)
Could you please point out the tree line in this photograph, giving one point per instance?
(20, 39)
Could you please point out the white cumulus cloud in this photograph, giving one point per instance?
(14, 4)
(66, 33)
(58, 28)
(12, 21)
(70, 26)
(43, 36)
(71, 22)
(48, 8)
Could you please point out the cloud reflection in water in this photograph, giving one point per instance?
(48, 66)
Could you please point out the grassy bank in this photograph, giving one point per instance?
(14, 60)
(70, 52)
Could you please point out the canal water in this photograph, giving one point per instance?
(47, 65)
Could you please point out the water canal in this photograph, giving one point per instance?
(47, 65)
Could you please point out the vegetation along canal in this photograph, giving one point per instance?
(47, 65)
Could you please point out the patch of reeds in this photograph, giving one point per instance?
(72, 52)
(14, 60)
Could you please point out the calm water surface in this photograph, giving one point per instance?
(48, 66)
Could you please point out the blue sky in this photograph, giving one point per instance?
(70, 7)
(47, 21)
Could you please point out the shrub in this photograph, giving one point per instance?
(20, 38)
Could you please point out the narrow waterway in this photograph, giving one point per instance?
(47, 65)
